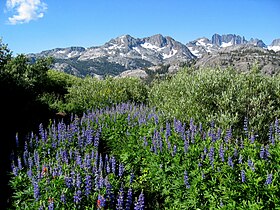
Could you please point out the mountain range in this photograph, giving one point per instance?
(125, 54)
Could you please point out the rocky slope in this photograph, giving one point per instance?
(126, 53)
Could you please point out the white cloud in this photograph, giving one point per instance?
(25, 10)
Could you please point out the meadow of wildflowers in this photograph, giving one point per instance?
(128, 157)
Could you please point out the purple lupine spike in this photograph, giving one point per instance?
(174, 150)
(120, 199)
(245, 126)
(251, 164)
(243, 176)
(101, 202)
(140, 205)
(186, 180)
(113, 164)
(219, 133)
(77, 196)
(228, 135)
(19, 164)
(78, 159)
(168, 130)
(36, 190)
(262, 152)
(96, 181)
(145, 141)
(252, 137)
(51, 204)
(268, 179)
(128, 199)
(101, 181)
(100, 164)
(131, 178)
(17, 141)
(14, 169)
(211, 155)
(240, 159)
(29, 173)
(222, 153)
(63, 198)
(68, 181)
(235, 153)
(88, 186)
(109, 192)
(121, 169)
(96, 139)
(78, 181)
(230, 162)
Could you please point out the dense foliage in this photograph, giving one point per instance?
(94, 93)
(225, 96)
(98, 161)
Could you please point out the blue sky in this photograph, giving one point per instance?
(29, 26)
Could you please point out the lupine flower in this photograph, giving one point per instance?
(222, 153)
(120, 199)
(121, 169)
(19, 164)
(240, 159)
(29, 173)
(14, 169)
(131, 178)
(17, 141)
(251, 164)
(63, 198)
(141, 202)
(77, 197)
(78, 181)
(252, 138)
(268, 179)
(230, 162)
(128, 199)
(235, 154)
(211, 155)
(186, 180)
(243, 177)
(262, 152)
(113, 164)
(174, 150)
(36, 190)
(101, 202)
(228, 135)
(245, 126)
(51, 204)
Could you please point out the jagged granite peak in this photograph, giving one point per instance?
(228, 40)
(125, 40)
(62, 53)
(275, 42)
(275, 45)
(257, 42)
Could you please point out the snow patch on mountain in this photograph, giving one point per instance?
(226, 44)
(274, 48)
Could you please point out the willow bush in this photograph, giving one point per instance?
(224, 96)
(91, 93)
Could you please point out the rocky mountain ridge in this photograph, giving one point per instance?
(126, 53)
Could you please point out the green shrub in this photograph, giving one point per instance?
(225, 96)
(92, 93)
